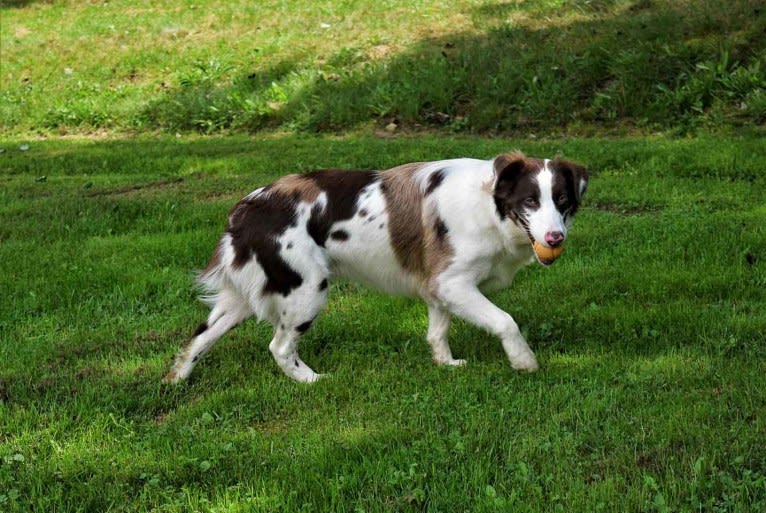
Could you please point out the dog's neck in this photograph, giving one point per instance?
(514, 238)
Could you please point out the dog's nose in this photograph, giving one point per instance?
(554, 238)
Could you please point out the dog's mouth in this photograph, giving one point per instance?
(544, 254)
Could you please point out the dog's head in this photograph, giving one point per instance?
(541, 197)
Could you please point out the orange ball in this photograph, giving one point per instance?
(546, 254)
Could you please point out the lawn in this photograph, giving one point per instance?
(650, 331)
(128, 129)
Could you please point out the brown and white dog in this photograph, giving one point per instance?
(445, 231)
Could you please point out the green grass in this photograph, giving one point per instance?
(480, 66)
(650, 332)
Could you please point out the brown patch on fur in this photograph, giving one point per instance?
(488, 187)
(306, 188)
(404, 204)
(501, 162)
(418, 236)
(504, 160)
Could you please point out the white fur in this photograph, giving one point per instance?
(546, 218)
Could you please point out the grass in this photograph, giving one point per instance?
(650, 331)
(477, 66)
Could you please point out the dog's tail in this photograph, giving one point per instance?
(212, 280)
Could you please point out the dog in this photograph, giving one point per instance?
(446, 231)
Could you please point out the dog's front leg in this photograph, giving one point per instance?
(438, 329)
(464, 299)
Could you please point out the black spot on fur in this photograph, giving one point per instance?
(339, 235)
(342, 189)
(303, 328)
(381, 225)
(289, 245)
(194, 360)
(323, 285)
(363, 213)
(202, 328)
(441, 229)
(434, 180)
(297, 364)
(254, 226)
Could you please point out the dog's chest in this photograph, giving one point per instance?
(504, 268)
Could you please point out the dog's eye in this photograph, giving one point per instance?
(562, 199)
(531, 202)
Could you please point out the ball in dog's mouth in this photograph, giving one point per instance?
(546, 255)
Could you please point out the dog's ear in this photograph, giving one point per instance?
(578, 174)
(508, 169)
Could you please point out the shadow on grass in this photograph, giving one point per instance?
(18, 4)
(640, 64)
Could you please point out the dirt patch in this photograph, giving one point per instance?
(155, 337)
(134, 188)
(218, 196)
(20, 32)
(87, 372)
(626, 209)
(5, 396)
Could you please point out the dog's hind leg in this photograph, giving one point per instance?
(297, 313)
(284, 347)
(229, 310)
(438, 329)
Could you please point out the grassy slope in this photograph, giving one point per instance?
(650, 331)
(533, 65)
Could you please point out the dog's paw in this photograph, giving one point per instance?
(309, 378)
(301, 372)
(451, 362)
(172, 378)
(525, 362)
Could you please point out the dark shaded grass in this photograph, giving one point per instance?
(649, 329)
